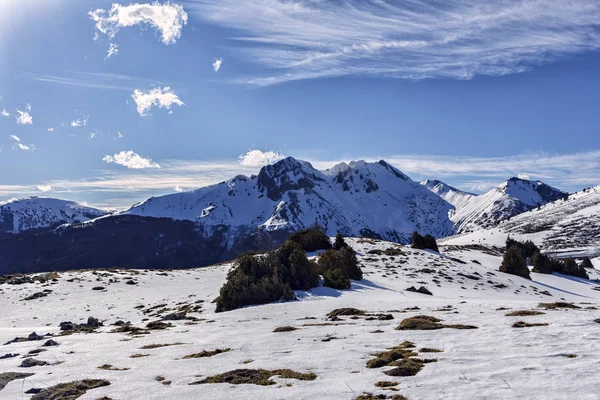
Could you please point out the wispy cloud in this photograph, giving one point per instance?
(131, 160)
(158, 97)
(167, 19)
(217, 64)
(24, 117)
(123, 187)
(93, 80)
(417, 39)
(259, 158)
(15, 138)
(4, 113)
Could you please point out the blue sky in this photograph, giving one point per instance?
(460, 90)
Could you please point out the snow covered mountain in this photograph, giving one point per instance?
(452, 195)
(506, 200)
(18, 215)
(357, 199)
(565, 227)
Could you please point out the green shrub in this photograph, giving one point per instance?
(424, 242)
(528, 248)
(339, 243)
(544, 264)
(265, 279)
(311, 239)
(336, 279)
(514, 263)
(345, 260)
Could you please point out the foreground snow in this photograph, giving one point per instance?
(495, 361)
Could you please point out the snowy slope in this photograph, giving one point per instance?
(18, 215)
(493, 362)
(357, 199)
(508, 199)
(568, 226)
(452, 195)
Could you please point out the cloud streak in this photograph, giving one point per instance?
(124, 187)
(417, 39)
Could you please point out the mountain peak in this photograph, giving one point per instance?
(287, 174)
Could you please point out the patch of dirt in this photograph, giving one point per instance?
(523, 324)
(524, 313)
(557, 305)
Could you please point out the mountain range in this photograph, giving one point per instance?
(254, 213)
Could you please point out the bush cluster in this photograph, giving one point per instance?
(542, 263)
(338, 267)
(514, 263)
(423, 242)
(264, 279)
(311, 239)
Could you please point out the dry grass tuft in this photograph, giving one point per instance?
(558, 304)
(260, 377)
(205, 353)
(524, 313)
(156, 346)
(523, 324)
(71, 390)
(285, 329)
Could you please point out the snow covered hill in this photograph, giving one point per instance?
(553, 357)
(506, 200)
(357, 199)
(18, 215)
(452, 195)
(569, 226)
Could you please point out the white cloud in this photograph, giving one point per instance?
(217, 64)
(79, 122)
(306, 39)
(51, 129)
(168, 19)
(113, 49)
(178, 189)
(15, 138)
(93, 135)
(23, 147)
(131, 160)
(158, 97)
(120, 135)
(44, 188)
(5, 113)
(258, 158)
(24, 117)
(523, 176)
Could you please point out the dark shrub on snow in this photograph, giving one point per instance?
(345, 260)
(311, 239)
(265, 279)
(514, 263)
(423, 242)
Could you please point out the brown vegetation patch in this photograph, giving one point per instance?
(420, 322)
(108, 367)
(7, 377)
(523, 324)
(386, 384)
(156, 346)
(255, 376)
(524, 313)
(345, 311)
(71, 390)
(205, 353)
(558, 304)
(285, 329)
